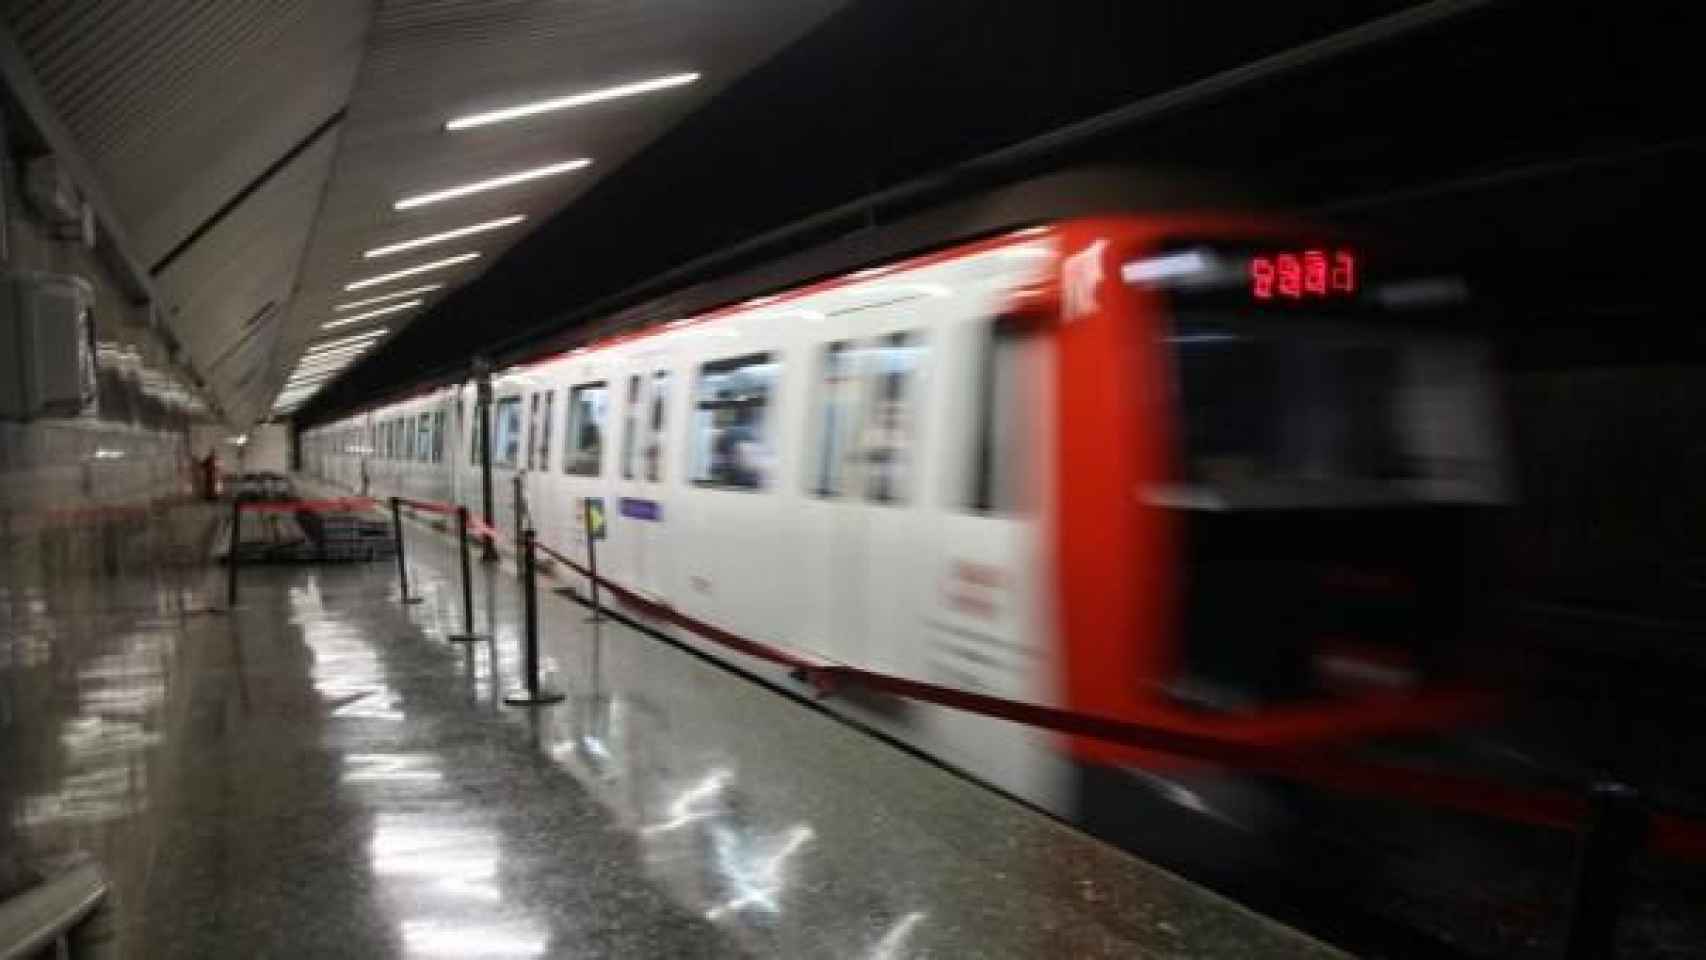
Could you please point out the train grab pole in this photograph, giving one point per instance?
(467, 635)
(402, 561)
(534, 694)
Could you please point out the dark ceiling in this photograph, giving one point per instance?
(1549, 149)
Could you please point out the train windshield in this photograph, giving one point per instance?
(1328, 404)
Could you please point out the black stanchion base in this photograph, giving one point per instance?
(533, 698)
(467, 638)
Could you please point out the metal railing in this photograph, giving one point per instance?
(45, 915)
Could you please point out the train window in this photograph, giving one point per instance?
(730, 426)
(423, 438)
(836, 406)
(506, 437)
(545, 426)
(630, 427)
(1314, 412)
(654, 432)
(438, 436)
(890, 369)
(1000, 472)
(533, 431)
(584, 446)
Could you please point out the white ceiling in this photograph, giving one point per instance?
(214, 127)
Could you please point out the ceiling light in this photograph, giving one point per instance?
(433, 238)
(321, 345)
(300, 380)
(333, 355)
(312, 363)
(358, 304)
(321, 366)
(479, 186)
(411, 271)
(330, 363)
(571, 101)
(369, 315)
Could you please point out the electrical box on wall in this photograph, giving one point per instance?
(47, 356)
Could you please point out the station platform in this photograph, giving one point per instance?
(320, 772)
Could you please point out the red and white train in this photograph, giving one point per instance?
(1213, 473)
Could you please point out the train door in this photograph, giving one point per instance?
(641, 471)
(883, 475)
(985, 629)
(506, 459)
(832, 623)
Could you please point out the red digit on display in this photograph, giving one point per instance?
(1262, 278)
(1344, 277)
(1290, 275)
(1315, 272)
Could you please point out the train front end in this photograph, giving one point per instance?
(1279, 458)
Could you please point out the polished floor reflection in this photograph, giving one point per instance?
(323, 774)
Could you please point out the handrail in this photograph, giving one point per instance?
(34, 920)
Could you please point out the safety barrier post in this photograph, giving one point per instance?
(520, 520)
(533, 694)
(231, 553)
(467, 635)
(402, 561)
(591, 559)
(1616, 828)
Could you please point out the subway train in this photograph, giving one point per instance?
(1211, 473)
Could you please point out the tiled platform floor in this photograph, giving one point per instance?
(322, 774)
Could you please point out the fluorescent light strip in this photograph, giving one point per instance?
(480, 186)
(340, 341)
(336, 363)
(412, 291)
(333, 355)
(571, 101)
(369, 315)
(310, 382)
(411, 271)
(323, 367)
(433, 238)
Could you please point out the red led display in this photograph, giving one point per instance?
(1297, 275)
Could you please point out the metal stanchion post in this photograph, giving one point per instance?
(231, 553)
(402, 561)
(1616, 828)
(520, 514)
(533, 694)
(467, 635)
(591, 559)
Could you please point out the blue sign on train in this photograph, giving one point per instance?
(642, 509)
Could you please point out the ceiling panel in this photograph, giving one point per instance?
(178, 104)
(252, 149)
(431, 61)
(222, 285)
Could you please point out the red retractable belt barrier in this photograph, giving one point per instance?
(430, 506)
(1535, 806)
